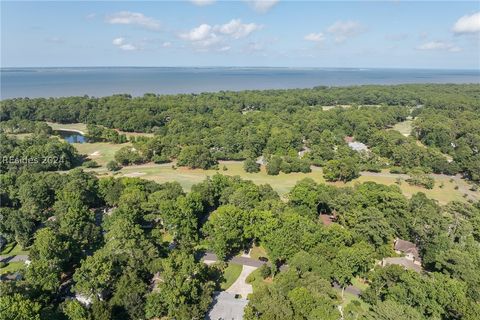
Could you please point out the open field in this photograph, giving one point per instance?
(404, 127)
(283, 183)
(101, 152)
(82, 127)
(443, 194)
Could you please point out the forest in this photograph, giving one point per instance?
(198, 130)
(107, 247)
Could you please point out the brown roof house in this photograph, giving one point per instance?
(410, 260)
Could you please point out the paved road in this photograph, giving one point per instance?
(226, 307)
(240, 286)
(239, 260)
(14, 258)
(350, 289)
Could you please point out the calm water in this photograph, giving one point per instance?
(54, 82)
(71, 136)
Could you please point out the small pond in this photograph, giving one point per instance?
(71, 136)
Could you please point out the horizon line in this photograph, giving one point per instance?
(238, 67)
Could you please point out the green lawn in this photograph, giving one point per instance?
(282, 183)
(231, 273)
(83, 127)
(443, 194)
(256, 280)
(348, 297)
(13, 249)
(258, 251)
(359, 283)
(12, 267)
(68, 126)
(404, 127)
(101, 152)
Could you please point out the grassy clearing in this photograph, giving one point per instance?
(359, 283)
(101, 152)
(68, 126)
(404, 127)
(231, 273)
(256, 280)
(13, 249)
(257, 252)
(12, 267)
(282, 183)
(349, 297)
(83, 127)
(444, 191)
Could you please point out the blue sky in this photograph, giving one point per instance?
(397, 34)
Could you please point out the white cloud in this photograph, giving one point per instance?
(345, 29)
(167, 44)
(128, 47)
(439, 46)
(468, 24)
(91, 16)
(315, 37)
(123, 45)
(262, 6)
(133, 18)
(206, 37)
(118, 41)
(202, 32)
(225, 48)
(202, 3)
(236, 29)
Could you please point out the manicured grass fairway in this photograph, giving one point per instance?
(443, 195)
(101, 152)
(231, 273)
(83, 127)
(282, 183)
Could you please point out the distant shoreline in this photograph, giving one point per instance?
(137, 81)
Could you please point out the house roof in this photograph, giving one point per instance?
(406, 247)
(404, 262)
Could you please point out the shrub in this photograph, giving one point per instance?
(419, 178)
(251, 166)
(90, 164)
(196, 157)
(113, 166)
(265, 271)
(158, 158)
(274, 166)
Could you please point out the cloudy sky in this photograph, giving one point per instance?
(399, 34)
